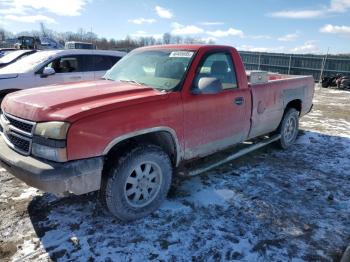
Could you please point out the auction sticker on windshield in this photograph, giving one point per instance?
(181, 54)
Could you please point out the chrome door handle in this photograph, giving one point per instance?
(239, 101)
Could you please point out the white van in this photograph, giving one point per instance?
(79, 45)
(56, 67)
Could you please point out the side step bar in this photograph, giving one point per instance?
(238, 154)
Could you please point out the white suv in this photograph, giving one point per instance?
(56, 67)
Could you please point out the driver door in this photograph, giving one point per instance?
(216, 121)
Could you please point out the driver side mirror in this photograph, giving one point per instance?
(207, 85)
(47, 72)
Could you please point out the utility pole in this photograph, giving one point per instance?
(290, 64)
(323, 66)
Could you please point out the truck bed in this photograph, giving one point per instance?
(270, 76)
(270, 99)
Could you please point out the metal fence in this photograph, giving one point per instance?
(5, 45)
(315, 65)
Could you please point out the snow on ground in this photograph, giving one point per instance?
(271, 205)
(27, 193)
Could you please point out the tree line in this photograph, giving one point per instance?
(101, 42)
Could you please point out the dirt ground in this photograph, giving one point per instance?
(271, 205)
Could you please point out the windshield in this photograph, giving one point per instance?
(7, 58)
(159, 69)
(27, 63)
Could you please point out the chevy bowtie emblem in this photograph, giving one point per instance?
(7, 129)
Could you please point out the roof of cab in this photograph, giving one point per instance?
(192, 47)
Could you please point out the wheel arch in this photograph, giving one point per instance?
(165, 137)
(296, 104)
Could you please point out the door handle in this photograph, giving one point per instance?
(75, 77)
(239, 101)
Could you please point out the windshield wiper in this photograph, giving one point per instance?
(143, 84)
(133, 81)
(106, 78)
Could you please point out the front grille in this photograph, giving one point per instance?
(22, 125)
(18, 133)
(22, 144)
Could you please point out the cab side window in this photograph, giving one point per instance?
(66, 64)
(104, 62)
(99, 62)
(219, 65)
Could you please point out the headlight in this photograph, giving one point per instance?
(52, 130)
(50, 153)
(49, 141)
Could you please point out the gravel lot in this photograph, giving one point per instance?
(271, 205)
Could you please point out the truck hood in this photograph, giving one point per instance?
(8, 76)
(70, 102)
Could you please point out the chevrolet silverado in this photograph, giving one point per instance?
(157, 109)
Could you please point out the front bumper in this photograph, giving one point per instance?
(77, 177)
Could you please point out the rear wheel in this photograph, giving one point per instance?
(138, 183)
(289, 128)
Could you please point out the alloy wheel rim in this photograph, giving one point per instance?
(143, 184)
(290, 128)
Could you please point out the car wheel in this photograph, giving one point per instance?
(1, 99)
(138, 183)
(289, 128)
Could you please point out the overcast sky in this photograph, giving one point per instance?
(296, 26)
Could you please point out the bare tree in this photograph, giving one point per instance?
(2, 35)
(167, 38)
(177, 39)
(43, 29)
(126, 44)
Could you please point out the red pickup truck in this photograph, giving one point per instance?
(156, 109)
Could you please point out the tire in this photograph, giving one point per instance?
(138, 183)
(289, 128)
(325, 82)
(345, 84)
(1, 99)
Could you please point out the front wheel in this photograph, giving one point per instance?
(138, 183)
(1, 99)
(289, 128)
